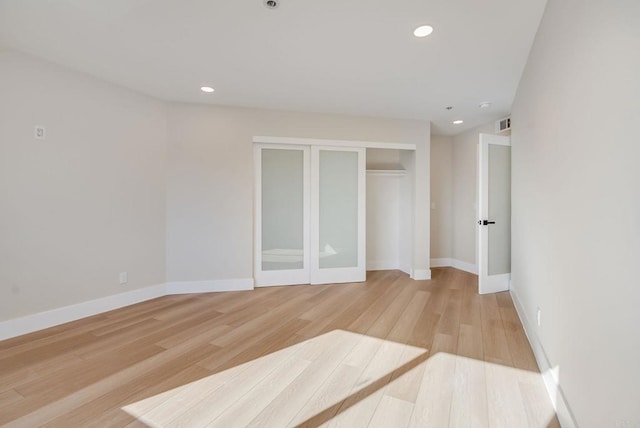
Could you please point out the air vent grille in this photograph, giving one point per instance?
(503, 124)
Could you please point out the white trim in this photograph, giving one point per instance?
(443, 262)
(458, 264)
(387, 172)
(30, 323)
(342, 143)
(467, 267)
(549, 374)
(382, 265)
(496, 140)
(281, 277)
(211, 286)
(420, 274)
(357, 273)
(275, 278)
(487, 283)
(494, 283)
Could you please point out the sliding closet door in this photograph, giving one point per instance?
(337, 215)
(282, 215)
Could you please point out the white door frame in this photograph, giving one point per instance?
(280, 277)
(487, 283)
(347, 274)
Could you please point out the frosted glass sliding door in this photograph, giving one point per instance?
(282, 226)
(310, 215)
(338, 215)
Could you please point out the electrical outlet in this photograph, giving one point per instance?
(538, 317)
(123, 278)
(39, 132)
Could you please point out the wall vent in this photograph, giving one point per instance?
(503, 124)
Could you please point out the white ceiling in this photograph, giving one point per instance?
(343, 56)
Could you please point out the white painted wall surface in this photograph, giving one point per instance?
(383, 221)
(210, 180)
(85, 203)
(441, 197)
(576, 204)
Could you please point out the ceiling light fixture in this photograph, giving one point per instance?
(485, 104)
(458, 122)
(207, 89)
(271, 4)
(423, 31)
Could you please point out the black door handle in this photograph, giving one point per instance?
(485, 222)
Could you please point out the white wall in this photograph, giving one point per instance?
(85, 203)
(383, 222)
(210, 181)
(576, 204)
(124, 182)
(441, 197)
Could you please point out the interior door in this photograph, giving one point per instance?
(494, 213)
(338, 217)
(282, 215)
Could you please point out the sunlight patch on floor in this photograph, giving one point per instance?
(346, 379)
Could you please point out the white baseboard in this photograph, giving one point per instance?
(458, 264)
(30, 323)
(549, 373)
(417, 274)
(382, 265)
(467, 267)
(446, 262)
(188, 287)
(406, 269)
(420, 274)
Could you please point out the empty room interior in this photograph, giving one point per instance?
(278, 213)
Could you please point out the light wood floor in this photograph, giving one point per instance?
(391, 352)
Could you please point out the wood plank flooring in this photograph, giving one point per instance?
(390, 352)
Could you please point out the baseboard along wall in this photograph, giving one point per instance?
(550, 374)
(30, 323)
(458, 264)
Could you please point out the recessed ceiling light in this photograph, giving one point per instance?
(207, 89)
(458, 122)
(271, 4)
(423, 31)
(485, 105)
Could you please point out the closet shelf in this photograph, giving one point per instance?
(387, 170)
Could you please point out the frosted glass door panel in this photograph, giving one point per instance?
(494, 213)
(338, 209)
(499, 205)
(282, 209)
